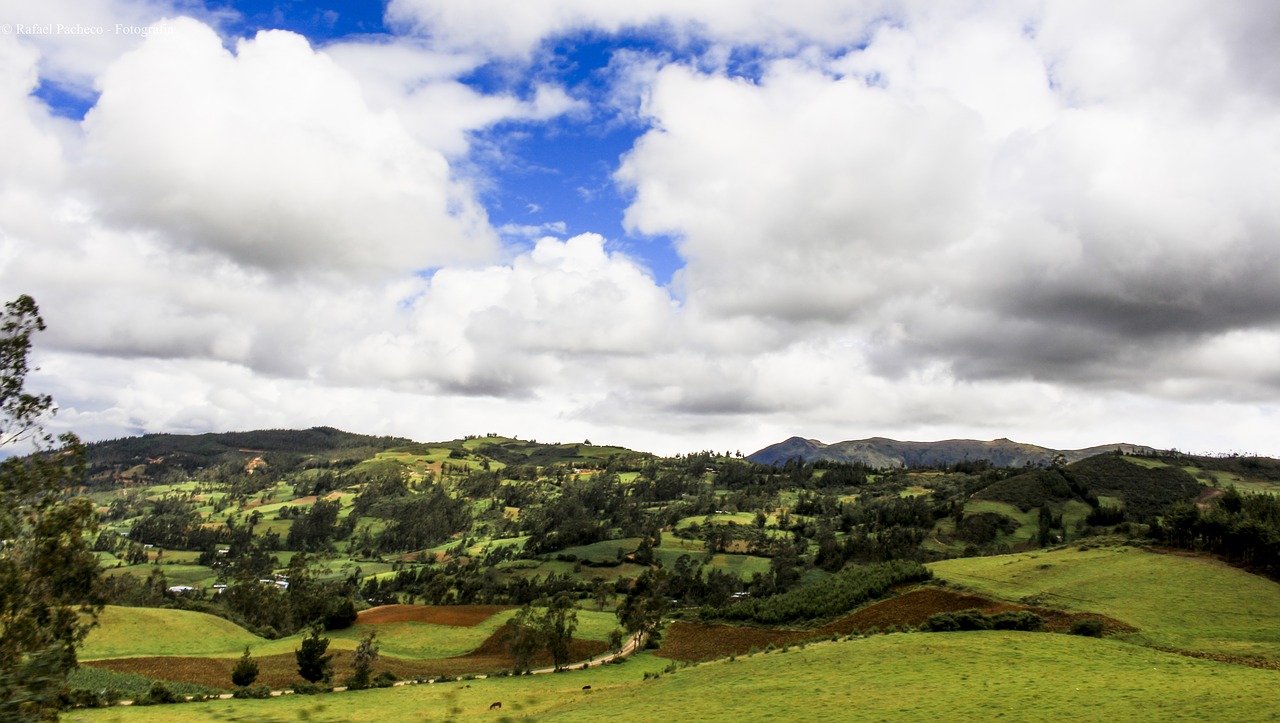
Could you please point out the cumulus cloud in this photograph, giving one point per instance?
(975, 194)
(271, 157)
(774, 222)
(555, 312)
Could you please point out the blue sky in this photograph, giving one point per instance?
(674, 226)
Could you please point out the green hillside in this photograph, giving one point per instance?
(1179, 601)
(124, 632)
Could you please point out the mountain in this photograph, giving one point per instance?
(880, 453)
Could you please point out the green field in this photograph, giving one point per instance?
(954, 677)
(131, 632)
(1186, 602)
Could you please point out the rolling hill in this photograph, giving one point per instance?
(882, 453)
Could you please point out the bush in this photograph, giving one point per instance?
(341, 615)
(260, 691)
(246, 670)
(159, 694)
(976, 620)
(1021, 620)
(84, 698)
(385, 679)
(311, 689)
(1090, 627)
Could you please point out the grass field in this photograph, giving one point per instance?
(1186, 602)
(953, 676)
(125, 632)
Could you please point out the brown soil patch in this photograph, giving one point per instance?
(276, 671)
(914, 608)
(1233, 659)
(460, 616)
(281, 671)
(696, 641)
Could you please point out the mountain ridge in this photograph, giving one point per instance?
(883, 452)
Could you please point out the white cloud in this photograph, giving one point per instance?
(563, 307)
(801, 196)
(271, 157)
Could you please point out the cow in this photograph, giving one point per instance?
(496, 706)
(586, 687)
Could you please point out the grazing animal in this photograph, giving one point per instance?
(497, 705)
(586, 687)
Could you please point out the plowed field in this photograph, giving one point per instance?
(461, 616)
(695, 641)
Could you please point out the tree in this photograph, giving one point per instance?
(642, 609)
(558, 626)
(615, 640)
(313, 665)
(50, 593)
(362, 663)
(246, 671)
(524, 638)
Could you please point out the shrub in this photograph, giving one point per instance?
(313, 663)
(84, 698)
(385, 679)
(260, 691)
(341, 615)
(159, 693)
(1021, 620)
(246, 670)
(1090, 627)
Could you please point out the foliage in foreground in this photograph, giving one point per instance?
(48, 575)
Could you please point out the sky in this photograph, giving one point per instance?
(668, 225)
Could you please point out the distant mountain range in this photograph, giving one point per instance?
(881, 453)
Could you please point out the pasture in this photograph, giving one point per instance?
(976, 676)
(1180, 601)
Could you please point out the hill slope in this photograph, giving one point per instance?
(880, 452)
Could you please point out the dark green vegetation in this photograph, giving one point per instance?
(827, 598)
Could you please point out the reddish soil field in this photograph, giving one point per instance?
(459, 616)
(281, 671)
(913, 608)
(695, 641)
